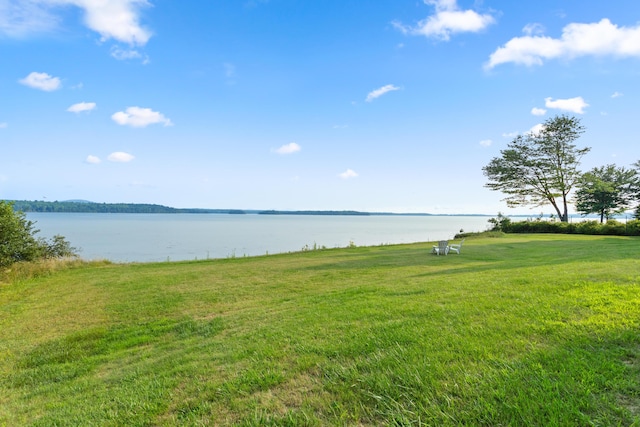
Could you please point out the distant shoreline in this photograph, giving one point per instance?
(84, 206)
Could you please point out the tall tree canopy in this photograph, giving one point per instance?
(607, 190)
(540, 168)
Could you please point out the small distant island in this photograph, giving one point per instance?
(85, 206)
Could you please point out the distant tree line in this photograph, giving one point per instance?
(540, 168)
(81, 206)
(90, 207)
(354, 213)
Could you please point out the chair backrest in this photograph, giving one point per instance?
(443, 247)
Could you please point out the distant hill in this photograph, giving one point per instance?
(272, 212)
(84, 206)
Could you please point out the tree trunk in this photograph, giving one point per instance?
(565, 215)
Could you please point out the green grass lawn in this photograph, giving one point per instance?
(520, 330)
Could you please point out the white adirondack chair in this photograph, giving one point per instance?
(442, 248)
(456, 247)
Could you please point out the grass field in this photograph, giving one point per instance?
(522, 330)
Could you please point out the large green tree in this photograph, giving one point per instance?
(540, 168)
(606, 191)
(18, 241)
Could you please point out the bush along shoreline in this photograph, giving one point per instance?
(590, 227)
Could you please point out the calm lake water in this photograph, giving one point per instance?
(177, 237)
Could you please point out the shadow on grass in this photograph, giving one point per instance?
(80, 353)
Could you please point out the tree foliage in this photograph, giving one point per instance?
(606, 191)
(18, 241)
(541, 167)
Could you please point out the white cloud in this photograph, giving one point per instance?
(3, 125)
(598, 39)
(510, 134)
(290, 148)
(536, 129)
(82, 106)
(93, 159)
(348, 174)
(617, 94)
(448, 20)
(120, 157)
(575, 105)
(112, 19)
(381, 91)
(42, 81)
(538, 111)
(140, 117)
(486, 142)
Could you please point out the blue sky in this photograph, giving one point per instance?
(386, 105)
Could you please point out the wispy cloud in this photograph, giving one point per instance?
(229, 69)
(140, 117)
(117, 20)
(486, 143)
(120, 157)
(82, 106)
(41, 81)
(574, 105)
(538, 111)
(124, 54)
(449, 19)
(533, 29)
(19, 19)
(617, 94)
(229, 73)
(348, 174)
(380, 91)
(596, 39)
(4, 125)
(91, 159)
(289, 148)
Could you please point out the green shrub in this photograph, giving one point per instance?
(18, 241)
(588, 227)
(610, 228)
(633, 228)
(500, 223)
(613, 227)
(539, 226)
